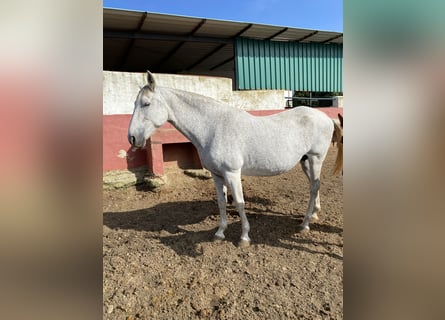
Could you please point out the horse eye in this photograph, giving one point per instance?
(145, 104)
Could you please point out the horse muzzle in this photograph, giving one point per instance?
(135, 143)
(131, 139)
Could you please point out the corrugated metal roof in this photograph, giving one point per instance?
(137, 41)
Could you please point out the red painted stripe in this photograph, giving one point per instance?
(115, 142)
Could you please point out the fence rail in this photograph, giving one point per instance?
(290, 100)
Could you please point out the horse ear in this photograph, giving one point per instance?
(151, 81)
(340, 117)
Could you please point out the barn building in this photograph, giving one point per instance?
(252, 66)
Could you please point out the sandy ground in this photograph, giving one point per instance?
(159, 260)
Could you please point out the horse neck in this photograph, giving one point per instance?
(192, 114)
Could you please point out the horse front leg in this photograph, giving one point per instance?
(233, 180)
(221, 192)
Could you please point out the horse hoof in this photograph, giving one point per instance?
(315, 217)
(243, 243)
(217, 238)
(303, 229)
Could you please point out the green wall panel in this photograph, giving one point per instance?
(288, 65)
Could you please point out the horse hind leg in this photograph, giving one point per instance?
(305, 165)
(311, 168)
(233, 180)
(221, 192)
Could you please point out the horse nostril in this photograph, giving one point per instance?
(131, 139)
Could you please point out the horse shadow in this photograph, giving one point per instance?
(162, 217)
(170, 224)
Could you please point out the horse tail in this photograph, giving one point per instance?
(337, 137)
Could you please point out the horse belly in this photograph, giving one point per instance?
(269, 165)
(264, 171)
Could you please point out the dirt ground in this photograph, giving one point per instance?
(159, 261)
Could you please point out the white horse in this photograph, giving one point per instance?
(232, 142)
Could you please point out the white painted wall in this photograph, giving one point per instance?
(120, 90)
(338, 102)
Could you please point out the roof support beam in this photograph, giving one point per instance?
(180, 45)
(222, 63)
(277, 34)
(162, 37)
(307, 36)
(333, 38)
(205, 57)
(203, 21)
(131, 44)
(219, 48)
(243, 30)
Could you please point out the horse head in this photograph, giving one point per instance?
(150, 112)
